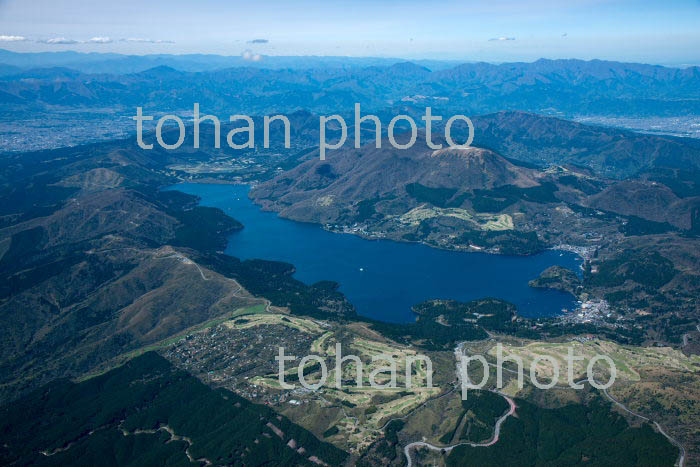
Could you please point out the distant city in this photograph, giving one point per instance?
(39, 131)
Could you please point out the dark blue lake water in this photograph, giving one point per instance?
(383, 278)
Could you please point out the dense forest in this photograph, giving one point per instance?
(572, 435)
(119, 418)
(441, 324)
(477, 421)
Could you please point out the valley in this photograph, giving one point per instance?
(110, 279)
(240, 234)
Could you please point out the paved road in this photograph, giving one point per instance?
(497, 429)
(681, 455)
(407, 449)
(491, 442)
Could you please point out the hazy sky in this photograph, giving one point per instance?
(627, 30)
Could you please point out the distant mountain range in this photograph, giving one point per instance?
(95, 62)
(565, 87)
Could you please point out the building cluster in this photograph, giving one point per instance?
(231, 358)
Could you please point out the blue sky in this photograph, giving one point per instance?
(627, 30)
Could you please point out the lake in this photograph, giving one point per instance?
(383, 278)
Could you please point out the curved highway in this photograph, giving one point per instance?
(491, 442)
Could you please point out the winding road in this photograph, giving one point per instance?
(681, 456)
(173, 437)
(407, 449)
(185, 260)
(166, 428)
(491, 442)
(497, 429)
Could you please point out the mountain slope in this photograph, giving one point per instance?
(609, 152)
(320, 191)
(147, 412)
(648, 200)
(97, 262)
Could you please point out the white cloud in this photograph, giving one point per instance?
(249, 55)
(100, 40)
(92, 40)
(58, 40)
(147, 41)
(4, 38)
(503, 38)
